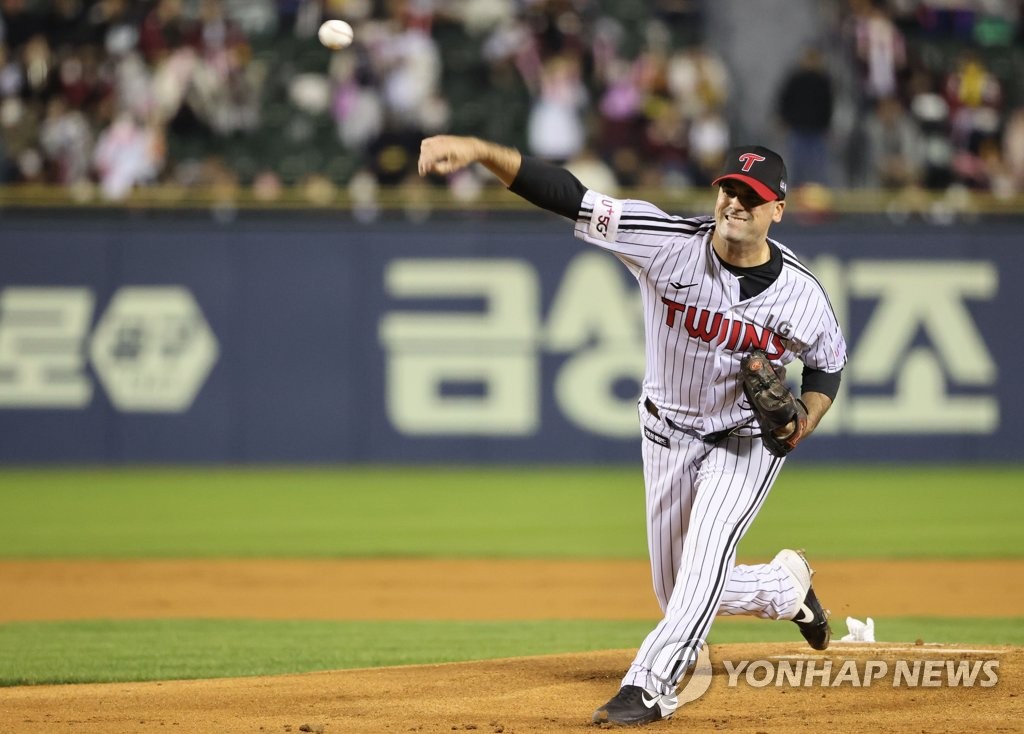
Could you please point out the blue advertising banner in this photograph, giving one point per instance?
(461, 338)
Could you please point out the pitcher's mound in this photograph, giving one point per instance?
(883, 687)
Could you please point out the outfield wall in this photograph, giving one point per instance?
(310, 337)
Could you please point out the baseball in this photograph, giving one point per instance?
(335, 34)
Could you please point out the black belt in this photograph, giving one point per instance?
(707, 438)
(653, 410)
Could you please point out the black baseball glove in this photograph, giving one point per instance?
(777, 410)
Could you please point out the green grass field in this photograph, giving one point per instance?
(113, 651)
(840, 512)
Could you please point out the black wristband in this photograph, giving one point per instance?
(827, 383)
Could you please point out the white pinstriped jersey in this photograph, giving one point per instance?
(697, 327)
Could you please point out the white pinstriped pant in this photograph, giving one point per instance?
(701, 499)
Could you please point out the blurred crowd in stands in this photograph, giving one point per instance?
(109, 95)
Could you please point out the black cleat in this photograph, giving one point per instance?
(811, 617)
(633, 706)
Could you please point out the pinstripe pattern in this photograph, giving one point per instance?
(702, 497)
(685, 291)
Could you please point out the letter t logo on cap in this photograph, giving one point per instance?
(749, 159)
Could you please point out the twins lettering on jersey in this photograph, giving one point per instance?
(716, 328)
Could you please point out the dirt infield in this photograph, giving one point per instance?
(461, 589)
(541, 694)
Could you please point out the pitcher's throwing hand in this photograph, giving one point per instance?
(445, 154)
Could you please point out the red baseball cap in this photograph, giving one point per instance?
(760, 168)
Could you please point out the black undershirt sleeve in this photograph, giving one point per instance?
(826, 383)
(549, 187)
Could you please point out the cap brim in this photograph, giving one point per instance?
(759, 188)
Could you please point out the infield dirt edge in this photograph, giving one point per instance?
(453, 589)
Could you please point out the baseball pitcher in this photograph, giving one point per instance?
(725, 309)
